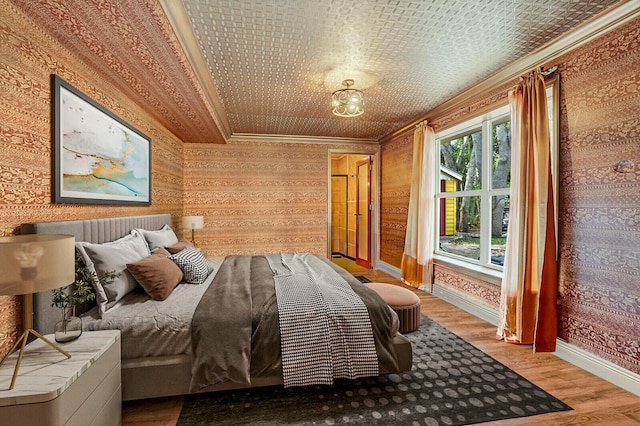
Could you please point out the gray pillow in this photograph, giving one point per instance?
(195, 267)
(164, 237)
(113, 256)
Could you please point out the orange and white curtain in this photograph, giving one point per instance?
(528, 308)
(417, 259)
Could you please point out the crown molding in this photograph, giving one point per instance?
(600, 24)
(325, 140)
(179, 20)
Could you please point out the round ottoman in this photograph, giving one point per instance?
(402, 300)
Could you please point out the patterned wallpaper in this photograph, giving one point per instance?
(133, 48)
(485, 292)
(599, 216)
(27, 58)
(396, 159)
(260, 197)
(600, 197)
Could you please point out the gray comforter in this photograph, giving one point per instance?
(235, 332)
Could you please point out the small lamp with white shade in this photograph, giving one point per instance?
(193, 223)
(32, 264)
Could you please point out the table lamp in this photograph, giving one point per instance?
(31, 264)
(193, 223)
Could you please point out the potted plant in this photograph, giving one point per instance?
(77, 294)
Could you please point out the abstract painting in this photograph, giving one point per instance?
(98, 157)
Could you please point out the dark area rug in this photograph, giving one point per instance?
(452, 383)
(362, 279)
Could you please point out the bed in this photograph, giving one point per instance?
(155, 366)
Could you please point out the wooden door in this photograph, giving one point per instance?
(363, 213)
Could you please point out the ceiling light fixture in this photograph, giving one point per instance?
(347, 102)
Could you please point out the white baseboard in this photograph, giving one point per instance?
(602, 368)
(389, 269)
(466, 303)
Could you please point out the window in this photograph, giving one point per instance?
(474, 179)
(473, 193)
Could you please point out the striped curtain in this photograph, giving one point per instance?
(528, 309)
(417, 259)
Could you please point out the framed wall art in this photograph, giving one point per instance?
(98, 158)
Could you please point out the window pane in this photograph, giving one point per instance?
(499, 222)
(461, 160)
(460, 226)
(501, 176)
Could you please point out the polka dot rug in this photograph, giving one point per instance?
(451, 383)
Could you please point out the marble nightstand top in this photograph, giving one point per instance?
(45, 373)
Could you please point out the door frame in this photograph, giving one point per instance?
(346, 183)
(375, 199)
(360, 261)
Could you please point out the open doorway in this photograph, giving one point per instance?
(352, 214)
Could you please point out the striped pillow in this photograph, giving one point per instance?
(194, 265)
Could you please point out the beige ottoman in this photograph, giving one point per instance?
(402, 300)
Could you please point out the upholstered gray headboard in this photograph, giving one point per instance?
(89, 230)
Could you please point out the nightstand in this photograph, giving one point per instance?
(53, 390)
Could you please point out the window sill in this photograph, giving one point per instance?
(483, 273)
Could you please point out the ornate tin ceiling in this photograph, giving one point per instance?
(211, 69)
(274, 63)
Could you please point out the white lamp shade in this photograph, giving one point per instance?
(36, 262)
(193, 222)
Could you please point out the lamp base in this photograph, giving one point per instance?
(23, 339)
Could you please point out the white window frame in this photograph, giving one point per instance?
(485, 122)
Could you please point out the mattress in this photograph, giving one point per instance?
(151, 328)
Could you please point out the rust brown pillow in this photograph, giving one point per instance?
(179, 246)
(157, 275)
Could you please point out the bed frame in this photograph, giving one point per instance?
(154, 376)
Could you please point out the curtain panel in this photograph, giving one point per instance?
(417, 259)
(528, 305)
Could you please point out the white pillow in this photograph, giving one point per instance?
(164, 237)
(113, 257)
(195, 267)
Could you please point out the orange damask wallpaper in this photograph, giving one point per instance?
(28, 57)
(260, 197)
(133, 48)
(599, 216)
(396, 159)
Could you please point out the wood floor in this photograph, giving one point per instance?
(594, 400)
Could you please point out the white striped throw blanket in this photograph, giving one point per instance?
(325, 330)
